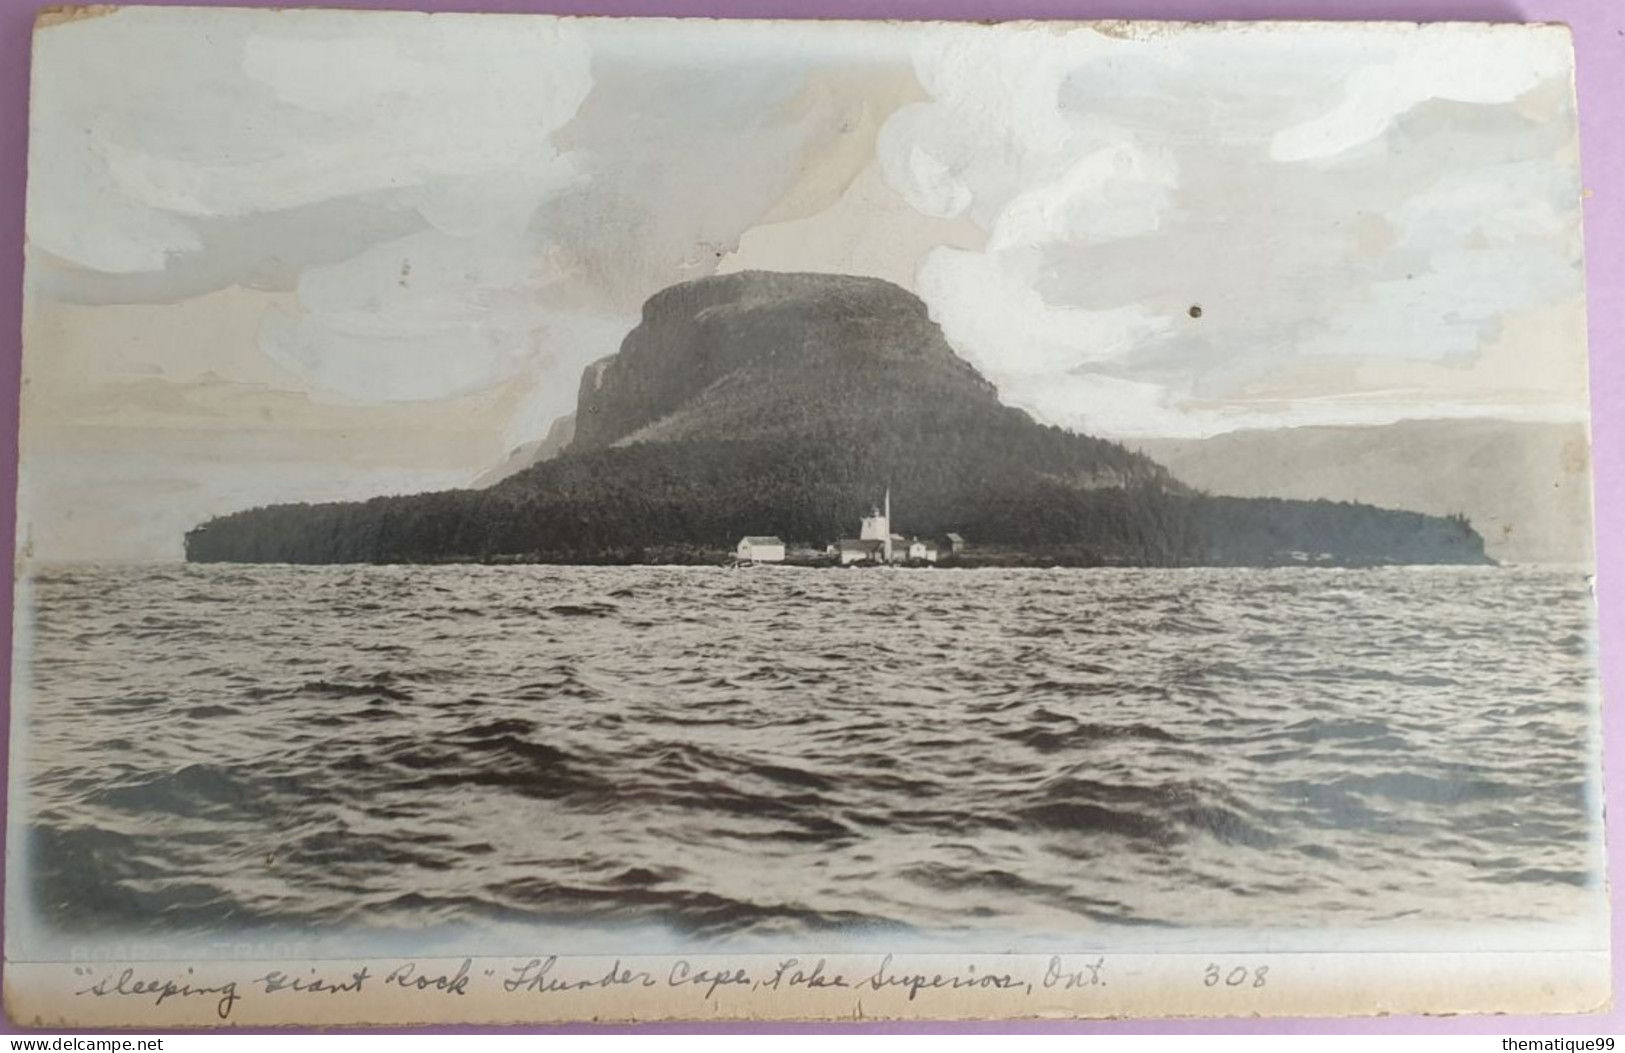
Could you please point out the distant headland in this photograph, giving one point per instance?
(776, 407)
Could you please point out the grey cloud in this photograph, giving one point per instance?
(264, 250)
(1273, 252)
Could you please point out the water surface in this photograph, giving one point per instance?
(800, 754)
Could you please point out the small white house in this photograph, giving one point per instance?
(760, 550)
(860, 550)
(922, 551)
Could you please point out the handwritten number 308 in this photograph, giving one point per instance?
(1235, 977)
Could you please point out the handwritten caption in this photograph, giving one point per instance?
(215, 992)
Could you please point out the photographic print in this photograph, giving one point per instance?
(528, 518)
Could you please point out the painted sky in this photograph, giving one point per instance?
(319, 255)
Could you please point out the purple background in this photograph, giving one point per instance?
(1599, 37)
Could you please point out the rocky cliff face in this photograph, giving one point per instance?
(766, 336)
(558, 437)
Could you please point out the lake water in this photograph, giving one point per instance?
(807, 755)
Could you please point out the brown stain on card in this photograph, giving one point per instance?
(56, 16)
(1575, 457)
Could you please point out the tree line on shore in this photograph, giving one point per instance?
(681, 502)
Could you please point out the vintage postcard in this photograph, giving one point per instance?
(534, 519)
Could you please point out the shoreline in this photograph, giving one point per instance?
(957, 565)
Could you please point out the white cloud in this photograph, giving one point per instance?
(1107, 405)
(988, 308)
(1115, 191)
(1122, 181)
(1493, 205)
(233, 113)
(236, 114)
(932, 187)
(994, 128)
(1486, 64)
(426, 316)
(1448, 311)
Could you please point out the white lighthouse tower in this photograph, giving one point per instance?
(877, 526)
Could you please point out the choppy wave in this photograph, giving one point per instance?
(796, 752)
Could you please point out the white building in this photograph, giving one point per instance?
(876, 543)
(760, 550)
(922, 551)
(876, 526)
(854, 550)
